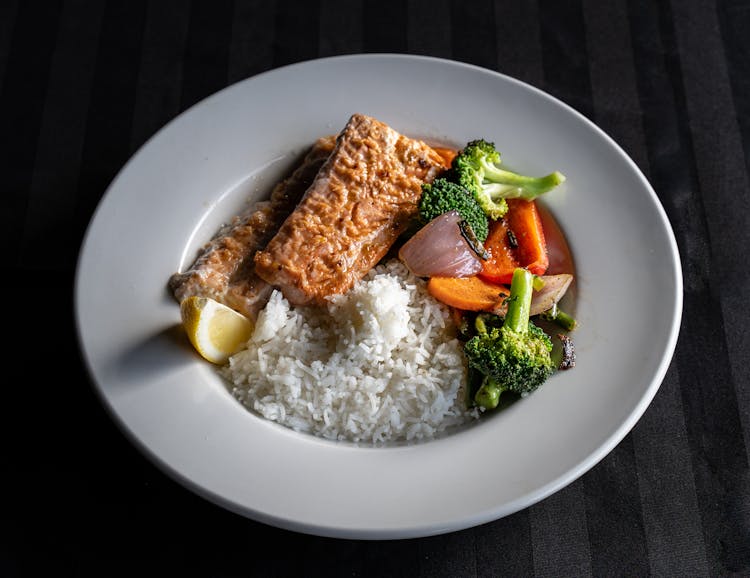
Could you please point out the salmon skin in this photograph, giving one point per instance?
(361, 200)
(224, 269)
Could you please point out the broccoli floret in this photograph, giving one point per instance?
(443, 195)
(515, 356)
(476, 168)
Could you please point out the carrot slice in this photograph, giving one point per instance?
(502, 262)
(448, 154)
(525, 222)
(517, 240)
(467, 293)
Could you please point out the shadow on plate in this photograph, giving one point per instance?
(155, 355)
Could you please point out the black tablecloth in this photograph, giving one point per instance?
(85, 83)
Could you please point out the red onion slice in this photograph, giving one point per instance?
(439, 250)
(552, 291)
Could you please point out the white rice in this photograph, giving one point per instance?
(379, 364)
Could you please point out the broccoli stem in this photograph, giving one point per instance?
(488, 394)
(519, 301)
(526, 187)
(563, 319)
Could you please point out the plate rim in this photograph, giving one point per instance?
(365, 532)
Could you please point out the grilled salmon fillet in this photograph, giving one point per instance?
(360, 201)
(224, 269)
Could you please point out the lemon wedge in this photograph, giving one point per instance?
(215, 330)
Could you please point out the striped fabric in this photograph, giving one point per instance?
(84, 83)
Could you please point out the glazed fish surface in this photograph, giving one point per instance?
(359, 203)
(224, 269)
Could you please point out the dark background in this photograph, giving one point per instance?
(83, 84)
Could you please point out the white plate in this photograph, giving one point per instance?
(200, 169)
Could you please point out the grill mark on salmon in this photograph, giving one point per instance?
(362, 199)
(224, 269)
